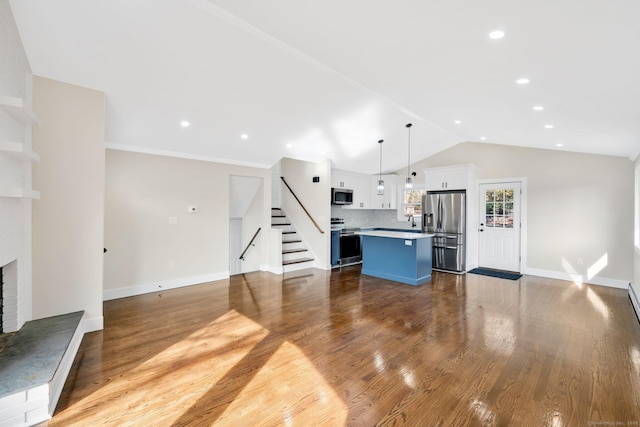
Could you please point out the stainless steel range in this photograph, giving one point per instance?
(350, 246)
(345, 244)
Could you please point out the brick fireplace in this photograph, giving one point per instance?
(9, 297)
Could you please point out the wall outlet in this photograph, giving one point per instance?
(172, 264)
(173, 220)
(579, 261)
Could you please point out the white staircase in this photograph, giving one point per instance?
(295, 255)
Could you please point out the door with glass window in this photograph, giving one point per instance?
(499, 231)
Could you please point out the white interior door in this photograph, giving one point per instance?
(499, 231)
(235, 246)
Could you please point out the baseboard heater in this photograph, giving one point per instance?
(634, 296)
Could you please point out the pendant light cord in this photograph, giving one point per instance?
(408, 126)
(380, 176)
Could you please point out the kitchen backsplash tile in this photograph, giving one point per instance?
(368, 218)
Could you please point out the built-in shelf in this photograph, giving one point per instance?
(15, 107)
(18, 150)
(20, 193)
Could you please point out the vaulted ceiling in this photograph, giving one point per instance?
(329, 79)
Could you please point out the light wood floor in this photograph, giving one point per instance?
(337, 348)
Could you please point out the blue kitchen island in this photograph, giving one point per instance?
(401, 256)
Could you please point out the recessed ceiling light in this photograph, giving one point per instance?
(244, 136)
(289, 145)
(184, 124)
(548, 126)
(538, 108)
(483, 138)
(457, 122)
(559, 145)
(522, 81)
(497, 34)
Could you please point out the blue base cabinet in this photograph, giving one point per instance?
(402, 260)
(335, 248)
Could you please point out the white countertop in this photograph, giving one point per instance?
(395, 234)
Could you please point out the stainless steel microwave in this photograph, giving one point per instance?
(341, 196)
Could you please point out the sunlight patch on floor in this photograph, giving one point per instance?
(300, 397)
(172, 380)
(598, 304)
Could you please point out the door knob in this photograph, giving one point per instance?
(481, 229)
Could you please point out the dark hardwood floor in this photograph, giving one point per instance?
(337, 348)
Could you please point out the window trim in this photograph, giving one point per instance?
(401, 204)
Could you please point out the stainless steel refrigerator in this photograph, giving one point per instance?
(444, 214)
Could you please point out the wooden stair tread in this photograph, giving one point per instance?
(289, 232)
(296, 261)
(284, 223)
(278, 216)
(292, 241)
(293, 251)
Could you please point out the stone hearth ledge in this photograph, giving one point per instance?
(40, 354)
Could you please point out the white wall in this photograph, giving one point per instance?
(579, 205)
(316, 197)
(68, 232)
(146, 253)
(636, 254)
(15, 214)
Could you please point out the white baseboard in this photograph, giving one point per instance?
(162, 285)
(275, 269)
(321, 266)
(560, 275)
(297, 267)
(93, 324)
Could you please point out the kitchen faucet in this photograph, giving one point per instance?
(413, 221)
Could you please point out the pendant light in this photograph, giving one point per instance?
(380, 181)
(408, 184)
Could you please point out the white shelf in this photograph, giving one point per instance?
(15, 107)
(18, 150)
(20, 193)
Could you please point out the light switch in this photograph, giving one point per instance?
(173, 220)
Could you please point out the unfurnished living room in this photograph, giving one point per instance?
(279, 213)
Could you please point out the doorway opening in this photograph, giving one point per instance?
(246, 215)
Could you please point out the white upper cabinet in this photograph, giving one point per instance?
(459, 177)
(339, 180)
(365, 189)
(361, 186)
(388, 200)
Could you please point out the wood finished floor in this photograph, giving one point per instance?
(337, 348)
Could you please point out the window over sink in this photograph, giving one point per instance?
(410, 202)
